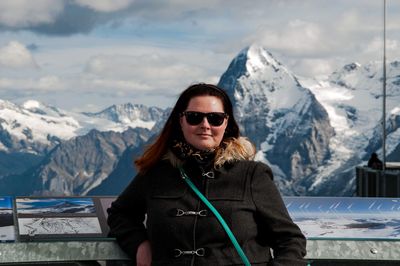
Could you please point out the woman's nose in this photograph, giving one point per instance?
(204, 123)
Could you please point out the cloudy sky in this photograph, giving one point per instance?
(85, 55)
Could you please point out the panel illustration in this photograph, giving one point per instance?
(346, 218)
(41, 218)
(59, 226)
(46, 206)
(7, 230)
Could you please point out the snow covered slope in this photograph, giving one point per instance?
(353, 99)
(35, 127)
(285, 121)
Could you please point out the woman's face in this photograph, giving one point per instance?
(204, 136)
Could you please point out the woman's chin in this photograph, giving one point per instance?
(204, 147)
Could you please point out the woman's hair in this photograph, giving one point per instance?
(172, 128)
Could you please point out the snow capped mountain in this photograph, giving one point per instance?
(31, 131)
(313, 133)
(35, 127)
(131, 115)
(288, 125)
(353, 99)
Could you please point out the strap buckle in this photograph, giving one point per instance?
(200, 252)
(209, 174)
(180, 212)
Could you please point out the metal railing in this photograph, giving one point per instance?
(377, 183)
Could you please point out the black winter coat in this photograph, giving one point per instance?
(182, 231)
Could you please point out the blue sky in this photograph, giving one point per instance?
(85, 55)
(5, 203)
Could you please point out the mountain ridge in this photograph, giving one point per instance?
(312, 132)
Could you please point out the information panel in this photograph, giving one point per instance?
(7, 230)
(346, 217)
(43, 218)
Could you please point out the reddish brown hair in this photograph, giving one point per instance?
(172, 129)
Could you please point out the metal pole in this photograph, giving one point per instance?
(384, 89)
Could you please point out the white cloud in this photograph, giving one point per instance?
(23, 13)
(30, 85)
(313, 67)
(105, 5)
(142, 72)
(349, 22)
(101, 83)
(49, 83)
(96, 65)
(6, 83)
(163, 46)
(297, 37)
(375, 47)
(90, 71)
(376, 44)
(15, 55)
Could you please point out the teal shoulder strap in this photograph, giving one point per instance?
(219, 217)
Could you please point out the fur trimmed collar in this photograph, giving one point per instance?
(236, 149)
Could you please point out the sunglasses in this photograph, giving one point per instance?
(214, 118)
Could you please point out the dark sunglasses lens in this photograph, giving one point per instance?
(194, 118)
(215, 119)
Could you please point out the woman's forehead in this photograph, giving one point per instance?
(206, 102)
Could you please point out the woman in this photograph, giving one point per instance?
(202, 137)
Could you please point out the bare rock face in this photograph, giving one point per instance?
(285, 121)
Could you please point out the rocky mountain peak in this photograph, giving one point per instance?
(37, 107)
(258, 58)
(277, 113)
(131, 114)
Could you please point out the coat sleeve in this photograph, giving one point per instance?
(275, 225)
(126, 217)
